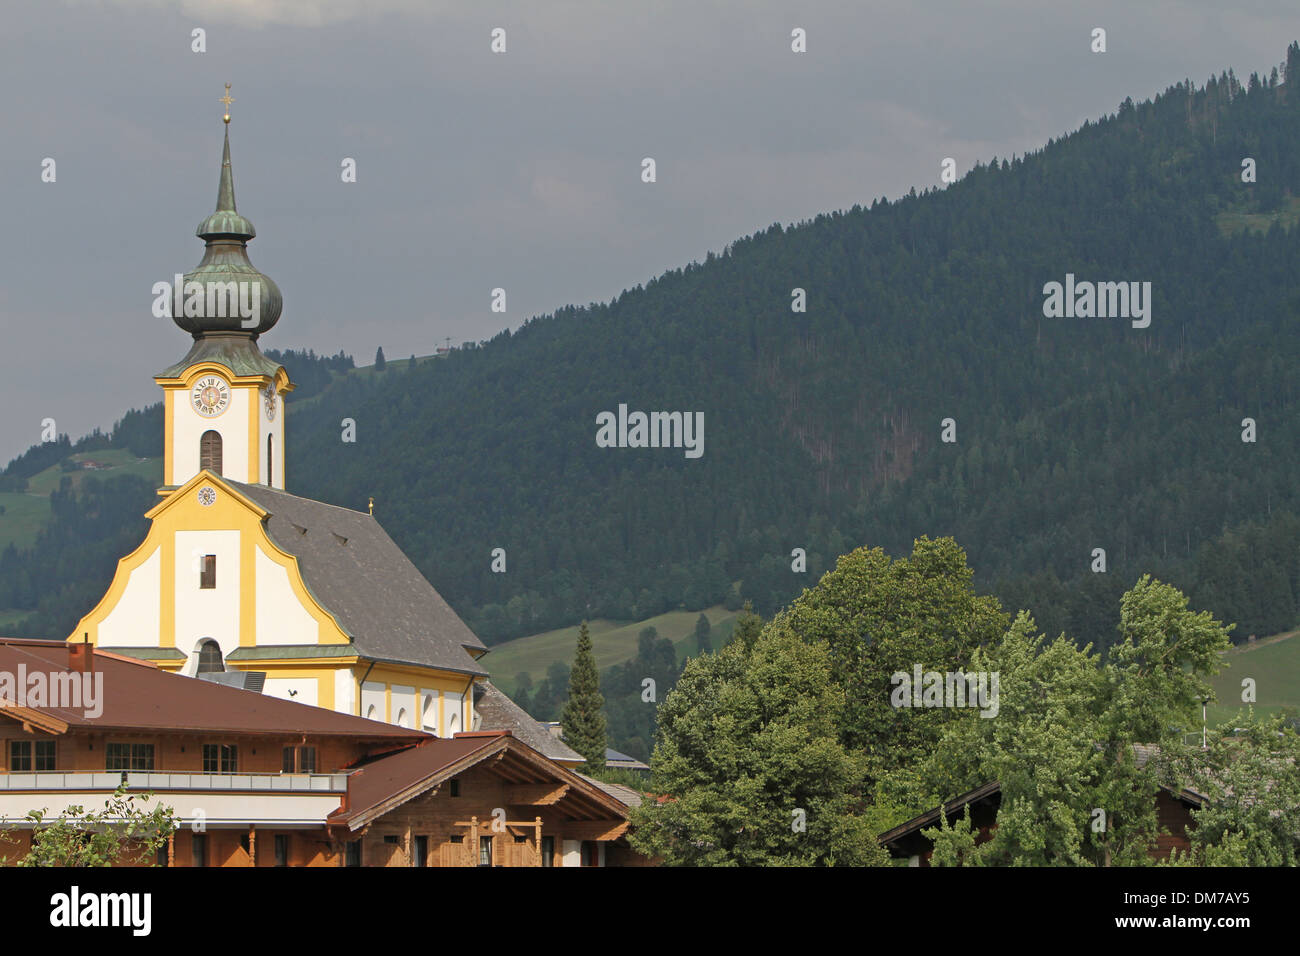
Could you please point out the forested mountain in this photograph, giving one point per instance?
(823, 427)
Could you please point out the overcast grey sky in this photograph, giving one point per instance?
(477, 170)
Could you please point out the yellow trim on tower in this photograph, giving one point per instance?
(192, 374)
(254, 433)
(247, 590)
(169, 435)
(167, 591)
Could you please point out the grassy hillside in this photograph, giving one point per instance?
(25, 513)
(612, 641)
(1273, 663)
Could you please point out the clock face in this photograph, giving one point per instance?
(210, 396)
(269, 398)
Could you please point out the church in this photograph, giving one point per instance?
(242, 582)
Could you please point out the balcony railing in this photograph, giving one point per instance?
(141, 780)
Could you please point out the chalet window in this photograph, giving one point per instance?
(590, 855)
(548, 851)
(457, 838)
(453, 788)
(485, 851)
(352, 856)
(199, 848)
(282, 849)
(220, 758)
(128, 757)
(28, 755)
(160, 855)
(298, 760)
(521, 837)
(210, 451)
(245, 843)
(420, 851)
(390, 838)
(210, 658)
(208, 575)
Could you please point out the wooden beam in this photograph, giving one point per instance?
(535, 794)
(601, 830)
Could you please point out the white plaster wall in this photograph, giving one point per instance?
(571, 853)
(305, 688)
(188, 426)
(276, 430)
(372, 695)
(281, 618)
(210, 613)
(136, 620)
(403, 698)
(453, 717)
(429, 704)
(345, 699)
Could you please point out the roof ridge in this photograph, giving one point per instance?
(290, 494)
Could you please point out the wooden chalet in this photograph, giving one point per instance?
(255, 780)
(908, 841)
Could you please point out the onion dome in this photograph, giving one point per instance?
(249, 306)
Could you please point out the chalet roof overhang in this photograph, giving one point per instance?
(538, 780)
(988, 791)
(991, 792)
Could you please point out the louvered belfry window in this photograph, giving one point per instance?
(210, 451)
(210, 661)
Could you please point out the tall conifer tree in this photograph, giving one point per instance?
(583, 719)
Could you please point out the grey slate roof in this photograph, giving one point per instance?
(499, 712)
(359, 574)
(614, 758)
(624, 795)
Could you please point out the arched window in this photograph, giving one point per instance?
(429, 719)
(401, 717)
(453, 724)
(210, 451)
(210, 661)
(371, 713)
(270, 460)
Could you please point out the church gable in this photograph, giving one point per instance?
(207, 571)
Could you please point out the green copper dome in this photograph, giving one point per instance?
(231, 295)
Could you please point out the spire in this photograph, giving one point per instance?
(225, 260)
(226, 222)
(226, 188)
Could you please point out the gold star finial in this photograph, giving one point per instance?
(227, 99)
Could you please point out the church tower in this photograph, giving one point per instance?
(223, 403)
(240, 581)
